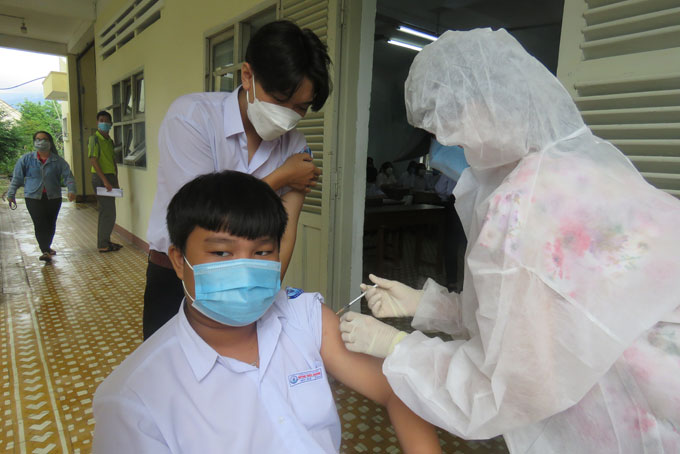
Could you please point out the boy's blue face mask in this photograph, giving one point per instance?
(104, 127)
(449, 160)
(235, 292)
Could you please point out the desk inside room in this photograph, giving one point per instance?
(395, 217)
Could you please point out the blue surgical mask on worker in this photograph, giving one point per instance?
(42, 144)
(271, 120)
(235, 292)
(104, 127)
(449, 160)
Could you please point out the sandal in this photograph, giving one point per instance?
(52, 252)
(108, 249)
(46, 257)
(115, 246)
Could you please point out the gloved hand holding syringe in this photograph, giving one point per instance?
(347, 306)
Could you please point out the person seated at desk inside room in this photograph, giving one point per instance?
(242, 367)
(386, 175)
(432, 178)
(372, 189)
(420, 183)
(369, 162)
(406, 178)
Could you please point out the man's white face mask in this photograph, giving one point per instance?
(271, 120)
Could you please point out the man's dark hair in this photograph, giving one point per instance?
(106, 114)
(228, 201)
(282, 54)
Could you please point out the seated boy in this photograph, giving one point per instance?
(242, 367)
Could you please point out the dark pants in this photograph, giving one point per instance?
(162, 297)
(455, 244)
(107, 210)
(44, 214)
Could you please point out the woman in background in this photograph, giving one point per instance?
(41, 172)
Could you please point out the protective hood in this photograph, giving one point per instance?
(571, 271)
(481, 90)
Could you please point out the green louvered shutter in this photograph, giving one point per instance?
(621, 62)
(310, 265)
(312, 14)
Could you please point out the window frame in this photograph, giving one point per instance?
(127, 125)
(240, 31)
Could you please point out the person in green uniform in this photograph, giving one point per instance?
(104, 174)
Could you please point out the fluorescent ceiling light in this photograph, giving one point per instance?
(403, 44)
(410, 31)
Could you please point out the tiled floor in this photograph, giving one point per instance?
(66, 325)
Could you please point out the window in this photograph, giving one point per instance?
(64, 128)
(132, 20)
(227, 51)
(129, 133)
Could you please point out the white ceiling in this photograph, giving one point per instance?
(437, 16)
(53, 26)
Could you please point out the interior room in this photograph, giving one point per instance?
(417, 249)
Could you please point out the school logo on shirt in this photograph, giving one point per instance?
(293, 292)
(305, 377)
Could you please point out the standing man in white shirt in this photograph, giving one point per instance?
(250, 130)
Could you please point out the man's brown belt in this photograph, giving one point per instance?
(160, 259)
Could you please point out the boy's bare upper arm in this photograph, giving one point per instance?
(362, 373)
(292, 202)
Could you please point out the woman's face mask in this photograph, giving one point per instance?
(389, 171)
(271, 120)
(42, 144)
(235, 292)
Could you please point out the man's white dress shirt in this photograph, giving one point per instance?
(175, 394)
(203, 133)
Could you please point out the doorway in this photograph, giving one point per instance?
(412, 253)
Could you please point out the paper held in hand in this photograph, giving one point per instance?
(115, 192)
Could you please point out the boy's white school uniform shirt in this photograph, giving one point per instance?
(203, 133)
(175, 394)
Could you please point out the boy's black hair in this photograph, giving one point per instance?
(228, 201)
(103, 112)
(281, 55)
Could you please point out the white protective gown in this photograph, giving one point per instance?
(569, 338)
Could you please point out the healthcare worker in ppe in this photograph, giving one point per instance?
(567, 332)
